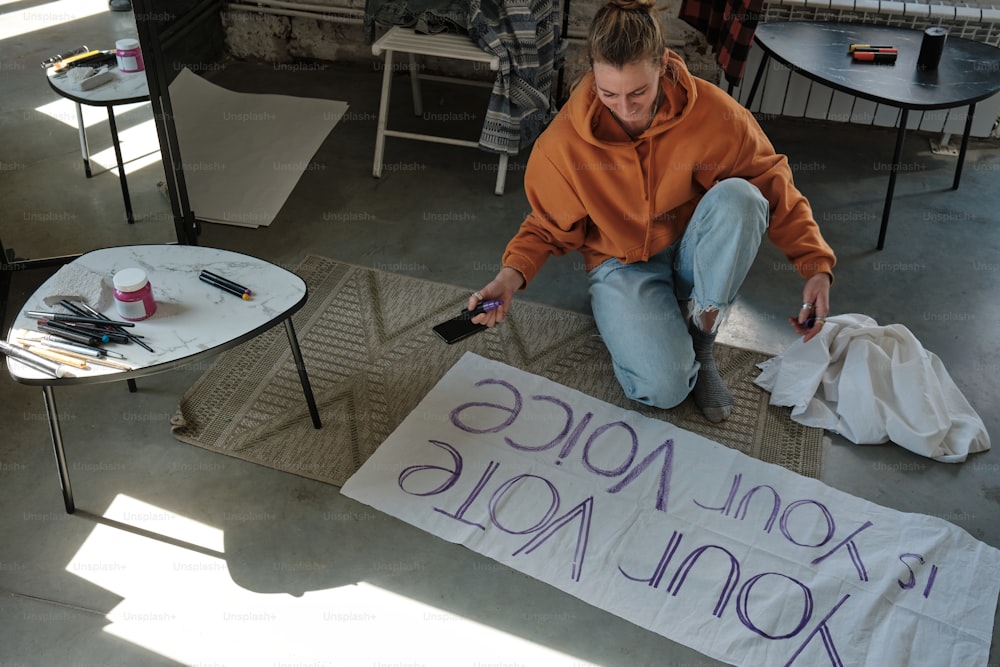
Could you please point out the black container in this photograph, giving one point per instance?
(931, 47)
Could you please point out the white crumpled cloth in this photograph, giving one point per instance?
(873, 384)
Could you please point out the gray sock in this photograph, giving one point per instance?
(710, 392)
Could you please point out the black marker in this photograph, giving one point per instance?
(225, 287)
(226, 281)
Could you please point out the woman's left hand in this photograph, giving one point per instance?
(817, 293)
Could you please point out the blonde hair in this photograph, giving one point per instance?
(624, 32)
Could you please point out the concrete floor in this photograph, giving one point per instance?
(210, 560)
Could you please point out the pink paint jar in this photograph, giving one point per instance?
(129, 56)
(133, 295)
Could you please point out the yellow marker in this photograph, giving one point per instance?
(63, 64)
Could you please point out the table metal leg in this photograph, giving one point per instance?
(965, 145)
(84, 149)
(57, 445)
(896, 156)
(121, 165)
(293, 342)
(756, 80)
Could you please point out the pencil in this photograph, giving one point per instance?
(60, 357)
(101, 361)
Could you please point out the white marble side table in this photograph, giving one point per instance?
(123, 88)
(193, 320)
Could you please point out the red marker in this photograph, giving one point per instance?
(871, 57)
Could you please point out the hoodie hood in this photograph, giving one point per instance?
(595, 189)
(595, 123)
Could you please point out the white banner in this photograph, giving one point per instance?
(742, 560)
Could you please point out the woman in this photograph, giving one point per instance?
(665, 185)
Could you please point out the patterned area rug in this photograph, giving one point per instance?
(371, 356)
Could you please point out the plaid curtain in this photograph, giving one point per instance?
(729, 26)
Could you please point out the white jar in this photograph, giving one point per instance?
(129, 55)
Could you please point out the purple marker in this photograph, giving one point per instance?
(483, 307)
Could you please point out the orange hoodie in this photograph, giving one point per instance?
(594, 189)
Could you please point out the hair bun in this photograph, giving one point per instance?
(632, 5)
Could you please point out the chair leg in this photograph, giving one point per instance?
(418, 100)
(383, 112)
(501, 175)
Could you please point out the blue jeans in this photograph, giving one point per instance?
(637, 307)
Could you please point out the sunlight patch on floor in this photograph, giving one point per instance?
(51, 14)
(139, 143)
(180, 601)
(64, 111)
(140, 148)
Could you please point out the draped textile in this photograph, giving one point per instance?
(425, 16)
(729, 26)
(525, 35)
(875, 383)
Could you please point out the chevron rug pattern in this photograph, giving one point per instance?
(371, 357)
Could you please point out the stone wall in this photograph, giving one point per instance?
(289, 39)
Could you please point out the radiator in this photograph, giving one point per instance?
(784, 93)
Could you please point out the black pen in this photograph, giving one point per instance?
(75, 336)
(82, 319)
(101, 335)
(73, 308)
(106, 335)
(132, 337)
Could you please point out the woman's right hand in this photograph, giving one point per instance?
(507, 282)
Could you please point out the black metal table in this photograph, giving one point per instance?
(124, 88)
(968, 72)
